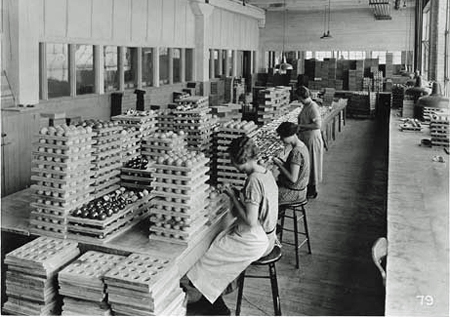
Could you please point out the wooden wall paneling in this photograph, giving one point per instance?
(168, 23)
(79, 24)
(102, 20)
(55, 18)
(139, 20)
(122, 21)
(154, 17)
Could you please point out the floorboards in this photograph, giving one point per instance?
(339, 277)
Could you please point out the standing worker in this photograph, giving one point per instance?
(251, 236)
(309, 123)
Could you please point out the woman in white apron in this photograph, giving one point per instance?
(310, 122)
(249, 237)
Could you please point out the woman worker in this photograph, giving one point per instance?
(249, 237)
(309, 122)
(294, 172)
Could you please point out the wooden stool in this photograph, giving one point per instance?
(269, 260)
(294, 207)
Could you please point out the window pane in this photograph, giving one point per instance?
(176, 65)
(216, 64)
(189, 64)
(58, 70)
(224, 63)
(84, 69)
(111, 68)
(147, 67)
(163, 66)
(130, 67)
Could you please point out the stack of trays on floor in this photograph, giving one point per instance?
(272, 102)
(31, 278)
(106, 157)
(144, 121)
(143, 285)
(192, 116)
(105, 218)
(137, 174)
(81, 284)
(439, 128)
(359, 104)
(162, 143)
(131, 144)
(179, 210)
(227, 112)
(62, 172)
(429, 112)
(227, 132)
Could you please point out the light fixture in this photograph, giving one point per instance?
(381, 9)
(327, 34)
(284, 66)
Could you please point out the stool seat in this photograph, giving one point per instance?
(273, 256)
(292, 204)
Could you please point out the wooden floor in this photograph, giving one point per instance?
(339, 277)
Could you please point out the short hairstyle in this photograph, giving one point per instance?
(287, 129)
(303, 92)
(242, 149)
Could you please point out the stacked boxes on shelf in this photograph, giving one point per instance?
(144, 285)
(328, 96)
(355, 78)
(179, 212)
(272, 102)
(227, 132)
(439, 129)
(62, 172)
(193, 117)
(105, 218)
(227, 112)
(31, 277)
(107, 158)
(389, 65)
(377, 80)
(81, 284)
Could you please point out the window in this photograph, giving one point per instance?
(381, 55)
(163, 66)
(130, 67)
(57, 61)
(147, 67)
(216, 64)
(224, 62)
(176, 56)
(84, 69)
(111, 68)
(189, 64)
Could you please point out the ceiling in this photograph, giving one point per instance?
(313, 5)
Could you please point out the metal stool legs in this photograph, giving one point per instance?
(295, 230)
(273, 284)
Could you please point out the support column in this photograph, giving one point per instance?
(301, 62)
(155, 56)
(72, 70)
(252, 62)
(227, 63)
(43, 72)
(121, 68)
(139, 67)
(170, 57)
(182, 65)
(99, 74)
(211, 64)
(220, 64)
(202, 12)
(234, 63)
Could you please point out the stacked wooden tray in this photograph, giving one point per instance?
(272, 102)
(143, 285)
(106, 160)
(179, 211)
(165, 120)
(137, 174)
(61, 170)
(440, 129)
(31, 284)
(143, 121)
(85, 227)
(81, 282)
(227, 132)
(162, 143)
(131, 143)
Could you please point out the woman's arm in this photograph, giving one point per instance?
(314, 125)
(247, 213)
(292, 174)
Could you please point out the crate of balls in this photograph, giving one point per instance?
(143, 121)
(137, 174)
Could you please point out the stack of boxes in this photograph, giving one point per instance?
(389, 65)
(272, 102)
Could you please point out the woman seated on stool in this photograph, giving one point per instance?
(294, 172)
(250, 236)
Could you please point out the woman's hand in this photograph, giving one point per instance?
(277, 161)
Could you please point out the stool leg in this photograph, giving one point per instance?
(306, 229)
(275, 294)
(240, 291)
(282, 225)
(294, 212)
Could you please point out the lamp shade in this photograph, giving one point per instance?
(434, 101)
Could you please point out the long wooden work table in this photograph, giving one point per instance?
(417, 281)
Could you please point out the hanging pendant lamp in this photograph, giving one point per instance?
(284, 66)
(327, 34)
